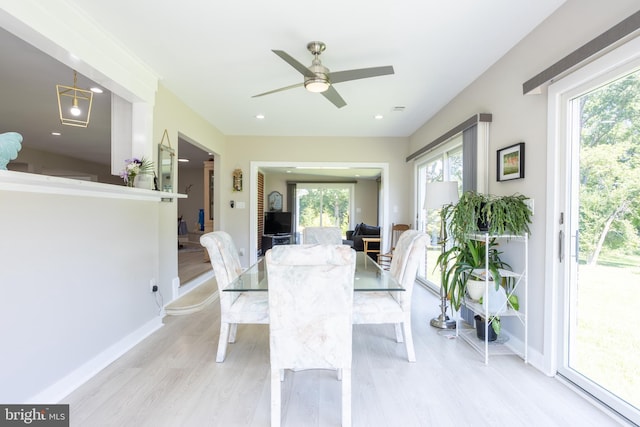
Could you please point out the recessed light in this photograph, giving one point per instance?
(56, 133)
(378, 117)
(95, 90)
(183, 160)
(259, 116)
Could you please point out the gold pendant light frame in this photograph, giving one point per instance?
(71, 96)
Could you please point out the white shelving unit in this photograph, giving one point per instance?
(520, 288)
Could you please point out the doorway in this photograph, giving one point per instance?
(329, 169)
(191, 256)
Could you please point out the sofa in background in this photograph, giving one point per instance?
(354, 237)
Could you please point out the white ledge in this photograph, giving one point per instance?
(32, 183)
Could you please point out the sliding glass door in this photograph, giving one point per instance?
(602, 263)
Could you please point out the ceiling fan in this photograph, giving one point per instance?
(318, 78)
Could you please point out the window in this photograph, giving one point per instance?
(324, 205)
(443, 164)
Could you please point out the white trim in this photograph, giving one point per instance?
(62, 388)
(45, 184)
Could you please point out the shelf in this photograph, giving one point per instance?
(45, 184)
(498, 347)
(468, 333)
(478, 308)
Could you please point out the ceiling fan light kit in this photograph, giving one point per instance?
(316, 84)
(318, 78)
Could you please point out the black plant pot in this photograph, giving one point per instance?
(481, 222)
(480, 329)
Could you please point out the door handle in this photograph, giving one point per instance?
(561, 246)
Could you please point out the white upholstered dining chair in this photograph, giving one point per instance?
(235, 307)
(322, 235)
(392, 306)
(310, 306)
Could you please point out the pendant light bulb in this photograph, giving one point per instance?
(75, 110)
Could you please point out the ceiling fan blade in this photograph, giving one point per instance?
(332, 95)
(362, 73)
(279, 90)
(294, 63)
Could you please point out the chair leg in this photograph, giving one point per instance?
(399, 337)
(346, 397)
(222, 342)
(232, 333)
(275, 397)
(408, 335)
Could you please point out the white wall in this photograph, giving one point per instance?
(518, 118)
(75, 275)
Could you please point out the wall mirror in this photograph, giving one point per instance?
(165, 165)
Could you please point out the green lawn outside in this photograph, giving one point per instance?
(607, 336)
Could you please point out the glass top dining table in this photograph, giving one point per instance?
(368, 277)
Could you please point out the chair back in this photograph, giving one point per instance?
(409, 253)
(322, 235)
(310, 306)
(396, 231)
(223, 256)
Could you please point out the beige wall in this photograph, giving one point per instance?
(518, 118)
(365, 194)
(242, 150)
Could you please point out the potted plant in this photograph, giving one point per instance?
(465, 263)
(476, 212)
(465, 260)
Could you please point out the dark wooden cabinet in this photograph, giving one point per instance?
(270, 240)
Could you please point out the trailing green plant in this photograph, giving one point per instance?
(500, 214)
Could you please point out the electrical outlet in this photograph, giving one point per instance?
(153, 286)
(241, 252)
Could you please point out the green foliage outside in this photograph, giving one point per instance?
(324, 207)
(610, 170)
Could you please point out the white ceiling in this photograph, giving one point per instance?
(216, 55)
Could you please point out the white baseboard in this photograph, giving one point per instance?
(62, 388)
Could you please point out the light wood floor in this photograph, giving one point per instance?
(191, 264)
(172, 379)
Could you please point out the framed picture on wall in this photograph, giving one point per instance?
(510, 162)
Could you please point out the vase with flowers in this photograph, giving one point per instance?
(135, 168)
